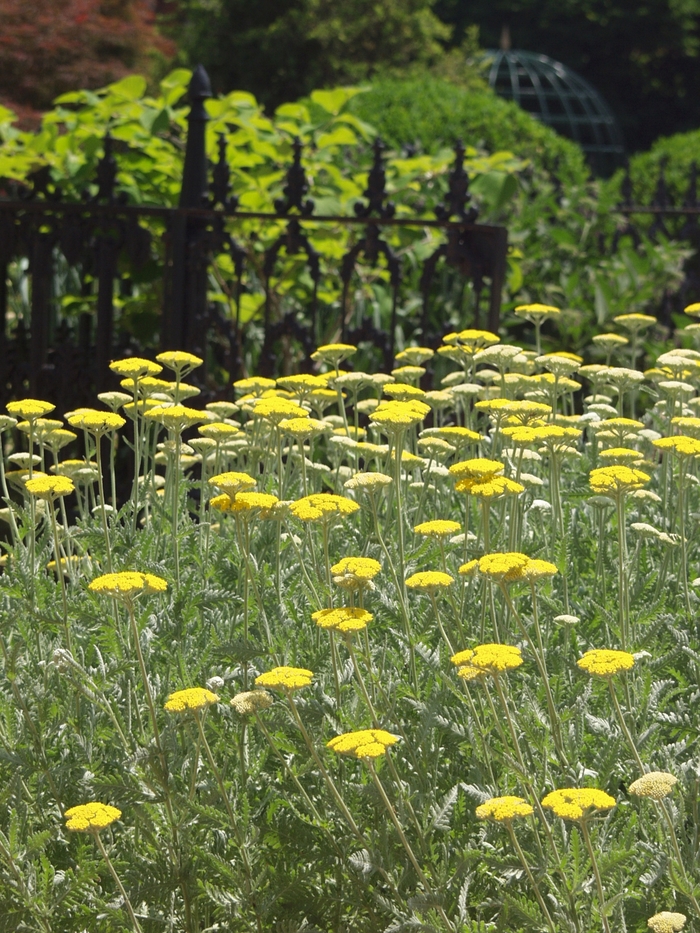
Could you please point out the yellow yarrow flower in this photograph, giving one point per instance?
(577, 803)
(232, 482)
(50, 487)
(322, 506)
(635, 321)
(127, 584)
(503, 809)
(345, 620)
(355, 572)
(536, 311)
(654, 784)
(369, 482)
(667, 921)
(193, 699)
(333, 353)
(251, 701)
(96, 422)
(616, 480)
(605, 662)
(491, 659)
(303, 427)
(508, 566)
(680, 445)
(490, 487)
(414, 355)
(477, 468)
(622, 455)
(181, 362)
(218, 430)
(135, 367)
(276, 410)
(285, 678)
(30, 408)
(91, 817)
(394, 417)
(539, 569)
(430, 580)
(175, 417)
(438, 528)
(365, 743)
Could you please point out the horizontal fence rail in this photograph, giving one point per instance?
(102, 236)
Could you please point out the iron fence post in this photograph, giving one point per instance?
(187, 295)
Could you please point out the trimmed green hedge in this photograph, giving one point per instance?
(435, 113)
(680, 151)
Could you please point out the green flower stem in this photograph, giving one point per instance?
(439, 622)
(540, 659)
(405, 843)
(400, 592)
(623, 595)
(330, 784)
(523, 861)
(120, 886)
(59, 571)
(681, 528)
(596, 874)
(242, 846)
(103, 510)
(176, 506)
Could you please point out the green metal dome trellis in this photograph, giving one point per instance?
(562, 99)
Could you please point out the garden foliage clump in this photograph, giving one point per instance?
(356, 654)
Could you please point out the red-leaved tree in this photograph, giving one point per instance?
(48, 47)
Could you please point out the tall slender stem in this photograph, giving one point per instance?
(117, 881)
(596, 874)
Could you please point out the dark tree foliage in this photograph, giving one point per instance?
(643, 57)
(282, 49)
(49, 47)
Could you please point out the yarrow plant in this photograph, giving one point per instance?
(361, 651)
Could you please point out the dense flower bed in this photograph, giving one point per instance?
(357, 655)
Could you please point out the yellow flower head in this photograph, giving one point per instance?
(251, 701)
(680, 445)
(285, 678)
(218, 430)
(255, 385)
(490, 487)
(251, 504)
(622, 455)
(692, 310)
(50, 487)
(91, 817)
(414, 355)
(457, 435)
(616, 480)
(491, 659)
(276, 410)
(365, 743)
(179, 361)
(536, 311)
(394, 417)
(635, 322)
(128, 584)
(345, 619)
(430, 580)
(175, 417)
(466, 570)
(605, 662)
(478, 468)
(438, 528)
(654, 784)
(135, 368)
(232, 482)
(193, 698)
(333, 353)
(402, 392)
(96, 422)
(508, 566)
(667, 921)
(30, 408)
(355, 572)
(369, 482)
(303, 427)
(503, 809)
(472, 337)
(322, 507)
(539, 569)
(575, 803)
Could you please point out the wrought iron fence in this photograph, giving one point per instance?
(102, 235)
